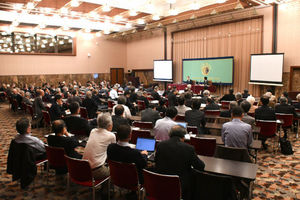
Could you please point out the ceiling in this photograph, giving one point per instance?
(111, 16)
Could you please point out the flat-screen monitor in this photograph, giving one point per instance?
(145, 144)
(218, 70)
(183, 124)
(95, 76)
(163, 70)
(266, 68)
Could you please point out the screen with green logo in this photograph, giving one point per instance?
(218, 70)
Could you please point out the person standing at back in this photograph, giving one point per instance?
(174, 157)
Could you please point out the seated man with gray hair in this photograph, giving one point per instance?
(96, 148)
(283, 107)
(297, 105)
(238, 98)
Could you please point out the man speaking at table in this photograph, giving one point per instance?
(174, 157)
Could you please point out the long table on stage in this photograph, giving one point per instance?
(195, 88)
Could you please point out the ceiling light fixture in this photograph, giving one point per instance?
(87, 30)
(171, 1)
(128, 25)
(221, 1)
(173, 12)
(15, 23)
(132, 13)
(75, 3)
(141, 21)
(17, 6)
(155, 17)
(118, 18)
(106, 8)
(64, 10)
(30, 5)
(195, 6)
(106, 31)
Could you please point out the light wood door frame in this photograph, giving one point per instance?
(292, 68)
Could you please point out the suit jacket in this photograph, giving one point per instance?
(117, 121)
(195, 118)
(285, 108)
(155, 95)
(228, 97)
(174, 157)
(133, 97)
(78, 123)
(150, 115)
(126, 154)
(297, 105)
(172, 99)
(212, 106)
(265, 113)
(142, 98)
(21, 163)
(68, 143)
(91, 107)
(248, 119)
(38, 106)
(75, 99)
(188, 82)
(56, 111)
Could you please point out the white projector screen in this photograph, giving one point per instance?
(266, 68)
(163, 70)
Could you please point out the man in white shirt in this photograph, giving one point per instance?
(163, 126)
(122, 101)
(96, 147)
(181, 108)
(113, 94)
(23, 127)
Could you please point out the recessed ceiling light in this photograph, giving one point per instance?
(98, 34)
(171, 1)
(106, 8)
(173, 12)
(128, 25)
(18, 6)
(64, 10)
(15, 23)
(141, 21)
(155, 17)
(43, 46)
(132, 13)
(74, 3)
(30, 5)
(61, 42)
(221, 1)
(118, 18)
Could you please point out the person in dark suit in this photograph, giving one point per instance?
(228, 97)
(154, 94)
(264, 113)
(38, 106)
(90, 105)
(150, 114)
(245, 94)
(286, 95)
(122, 152)
(63, 139)
(245, 105)
(188, 80)
(76, 123)
(143, 97)
(57, 111)
(211, 105)
(161, 106)
(285, 108)
(118, 118)
(172, 97)
(74, 98)
(195, 117)
(133, 95)
(205, 81)
(174, 157)
(128, 103)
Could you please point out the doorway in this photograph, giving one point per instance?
(117, 75)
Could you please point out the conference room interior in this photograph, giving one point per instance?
(85, 44)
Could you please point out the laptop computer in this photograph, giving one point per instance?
(147, 144)
(183, 124)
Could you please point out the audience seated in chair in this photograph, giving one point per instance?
(57, 111)
(211, 105)
(150, 114)
(122, 102)
(75, 122)
(122, 152)
(237, 133)
(227, 113)
(96, 147)
(118, 118)
(195, 117)
(163, 126)
(181, 108)
(228, 97)
(245, 105)
(174, 157)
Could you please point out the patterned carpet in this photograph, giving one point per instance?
(278, 176)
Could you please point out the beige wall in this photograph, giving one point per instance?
(289, 33)
(104, 54)
(142, 50)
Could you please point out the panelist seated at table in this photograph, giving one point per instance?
(174, 157)
(205, 81)
(188, 80)
(122, 151)
(237, 133)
